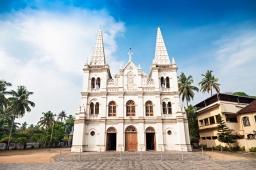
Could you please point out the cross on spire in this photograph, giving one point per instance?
(130, 54)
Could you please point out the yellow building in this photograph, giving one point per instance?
(247, 117)
(228, 107)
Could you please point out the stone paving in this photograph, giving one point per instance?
(134, 160)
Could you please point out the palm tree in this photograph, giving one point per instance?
(47, 121)
(24, 126)
(185, 87)
(3, 92)
(209, 82)
(19, 105)
(62, 115)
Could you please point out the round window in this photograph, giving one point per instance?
(92, 133)
(169, 132)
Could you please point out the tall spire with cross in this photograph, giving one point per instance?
(98, 55)
(161, 55)
(130, 55)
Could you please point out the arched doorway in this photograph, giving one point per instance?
(150, 139)
(111, 139)
(131, 143)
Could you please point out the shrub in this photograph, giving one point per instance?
(242, 148)
(204, 146)
(236, 148)
(252, 149)
(217, 147)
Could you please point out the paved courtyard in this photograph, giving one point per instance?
(135, 160)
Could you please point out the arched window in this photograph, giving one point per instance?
(167, 82)
(93, 83)
(149, 108)
(97, 108)
(92, 108)
(98, 83)
(162, 82)
(112, 108)
(130, 108)
(169, 108)
(164, 108)
(246, 121)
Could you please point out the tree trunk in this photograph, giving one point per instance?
(10, 134)
(211, 92)
(45, 136)
(51, 137)
(187, 104)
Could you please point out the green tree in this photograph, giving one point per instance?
(69, 123)
(242, 94)
(209, 82)
(19, 105)
(62, 115)
(225, 135)
(192, 121)
(24, 126)
(47, 121)
(3, 92)
(185, 87)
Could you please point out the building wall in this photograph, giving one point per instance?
(208, 132)
(246, 130)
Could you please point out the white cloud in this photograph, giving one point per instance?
(46, 51)
(232, 59)
(236, 58)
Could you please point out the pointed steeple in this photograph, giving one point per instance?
(161, 55)
(98, 55)
(173, 61)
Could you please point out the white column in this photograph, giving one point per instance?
(181, 136)
(101, 137)
(159, 137)
(141, 137)
(157, 106)
(187, 137)
(120, 137)
(103, 106)
(120, 111)
(78, 137)
(140, 106)
(85, 81)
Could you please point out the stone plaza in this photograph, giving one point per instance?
(135, 160)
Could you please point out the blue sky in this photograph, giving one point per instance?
(46, 43)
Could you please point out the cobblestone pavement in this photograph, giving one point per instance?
(134, 160)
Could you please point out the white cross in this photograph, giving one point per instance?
(130, 54)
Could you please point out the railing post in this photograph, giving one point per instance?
(100, 153)
(80, 155)
(202, 152)
(120, 154)
(182, 153)
(161, 154)
(140, 153)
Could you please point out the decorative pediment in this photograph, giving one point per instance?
(130, 66)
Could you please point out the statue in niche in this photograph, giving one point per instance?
(130, 80)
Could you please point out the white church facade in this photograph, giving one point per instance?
(130, 111)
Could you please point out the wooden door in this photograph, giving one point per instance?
(131, 141)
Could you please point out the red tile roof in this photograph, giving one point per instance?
(249, 108)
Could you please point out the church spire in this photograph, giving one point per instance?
(161, 55)
(98, 55)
